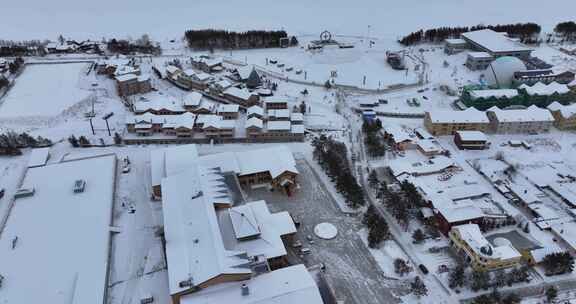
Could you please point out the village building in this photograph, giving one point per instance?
(254, 127)
(429, 147)
(70, 203)
(157, 103)
(437, 165)
(469, 240)
(272, 104)
(546, 76)
(272, 115)
(207, 64)
(449, 122)
(255, 111)
(242, 97)
(454, 46)
(471, 140)
(399, 137)
(109, 67)
(229, 111)
(564, 116)
(496, 44)
(449, 214)
(192, 101)
(297, 118)
(478, 60)
(192, 80)
(274, 166)
(232, 243)
(530, 120)
(484, 99)
(132, 84)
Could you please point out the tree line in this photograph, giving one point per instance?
(11, 143)
(332, 157)
(209, 39)
(567, 30)
(403, 205)
(524, 31)
(143, 45)
(373, 138)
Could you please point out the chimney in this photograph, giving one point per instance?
(245, 290)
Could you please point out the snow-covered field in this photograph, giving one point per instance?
(44, 90)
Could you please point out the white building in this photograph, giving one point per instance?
(530, 120)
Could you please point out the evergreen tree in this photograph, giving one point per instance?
(418, 236)
(558, 263)
(83, 141)
(73, 141)
(401, 267)
(418, 287)
(480, 280)
(117, 138)
(373, 179)
(551, 293)
(457, 277)
(511, 298)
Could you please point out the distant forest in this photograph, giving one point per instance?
(567, 30)
(142, 45)
(9, 48)
(220, 39)
(525, 31)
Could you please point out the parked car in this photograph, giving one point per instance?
(310, 239)
(423, 269)
(305, 250)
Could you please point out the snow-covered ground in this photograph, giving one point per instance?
(44, 90)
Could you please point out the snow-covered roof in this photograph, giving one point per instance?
(566, 191)
(254, 122)
(195, 250)
(492, 41)
(185, 120)
(228, 108)
(479, 55)
(423, 133)
(157, 101)
(253, 229)
(287, 285)
(472, 136)
(437, 164)
(297, 129)
(398, 133)
(471, 234)
(540, 253)
(126, 70)
(296, 117)
(459, 213)
(526, 194)
(189, 73)
(470, 115)
(38, 157)
(496, 93)
(567, 112)
(58, 237)
(429, 145)
(532, 113)
(279, 125)
(170, 161)
(224, 83)
(239, 93)
(455, 41)
(171, 69)
(542, 89)
(192, 99)
(126, 77)
(567, 231)
(255, 110)
(274, 101)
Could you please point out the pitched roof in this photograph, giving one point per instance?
(470, 115)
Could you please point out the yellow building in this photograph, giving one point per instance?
(482, 255)
(448, 122)
(564, 116)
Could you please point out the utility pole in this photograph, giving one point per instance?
(92, 126)
(106, 117)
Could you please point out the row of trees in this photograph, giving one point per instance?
(402, 205)
(378, 229)
(11, 143)
(332, 157)
(142, 45)
(525, 31)
(481, 280)
(373, 138)
(558, 263)
(496, 298)
(567, 30)
(209, 39)
(81, 141)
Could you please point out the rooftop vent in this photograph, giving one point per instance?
(79, 186)
(245, 290)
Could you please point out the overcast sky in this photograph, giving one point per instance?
(27, 19)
